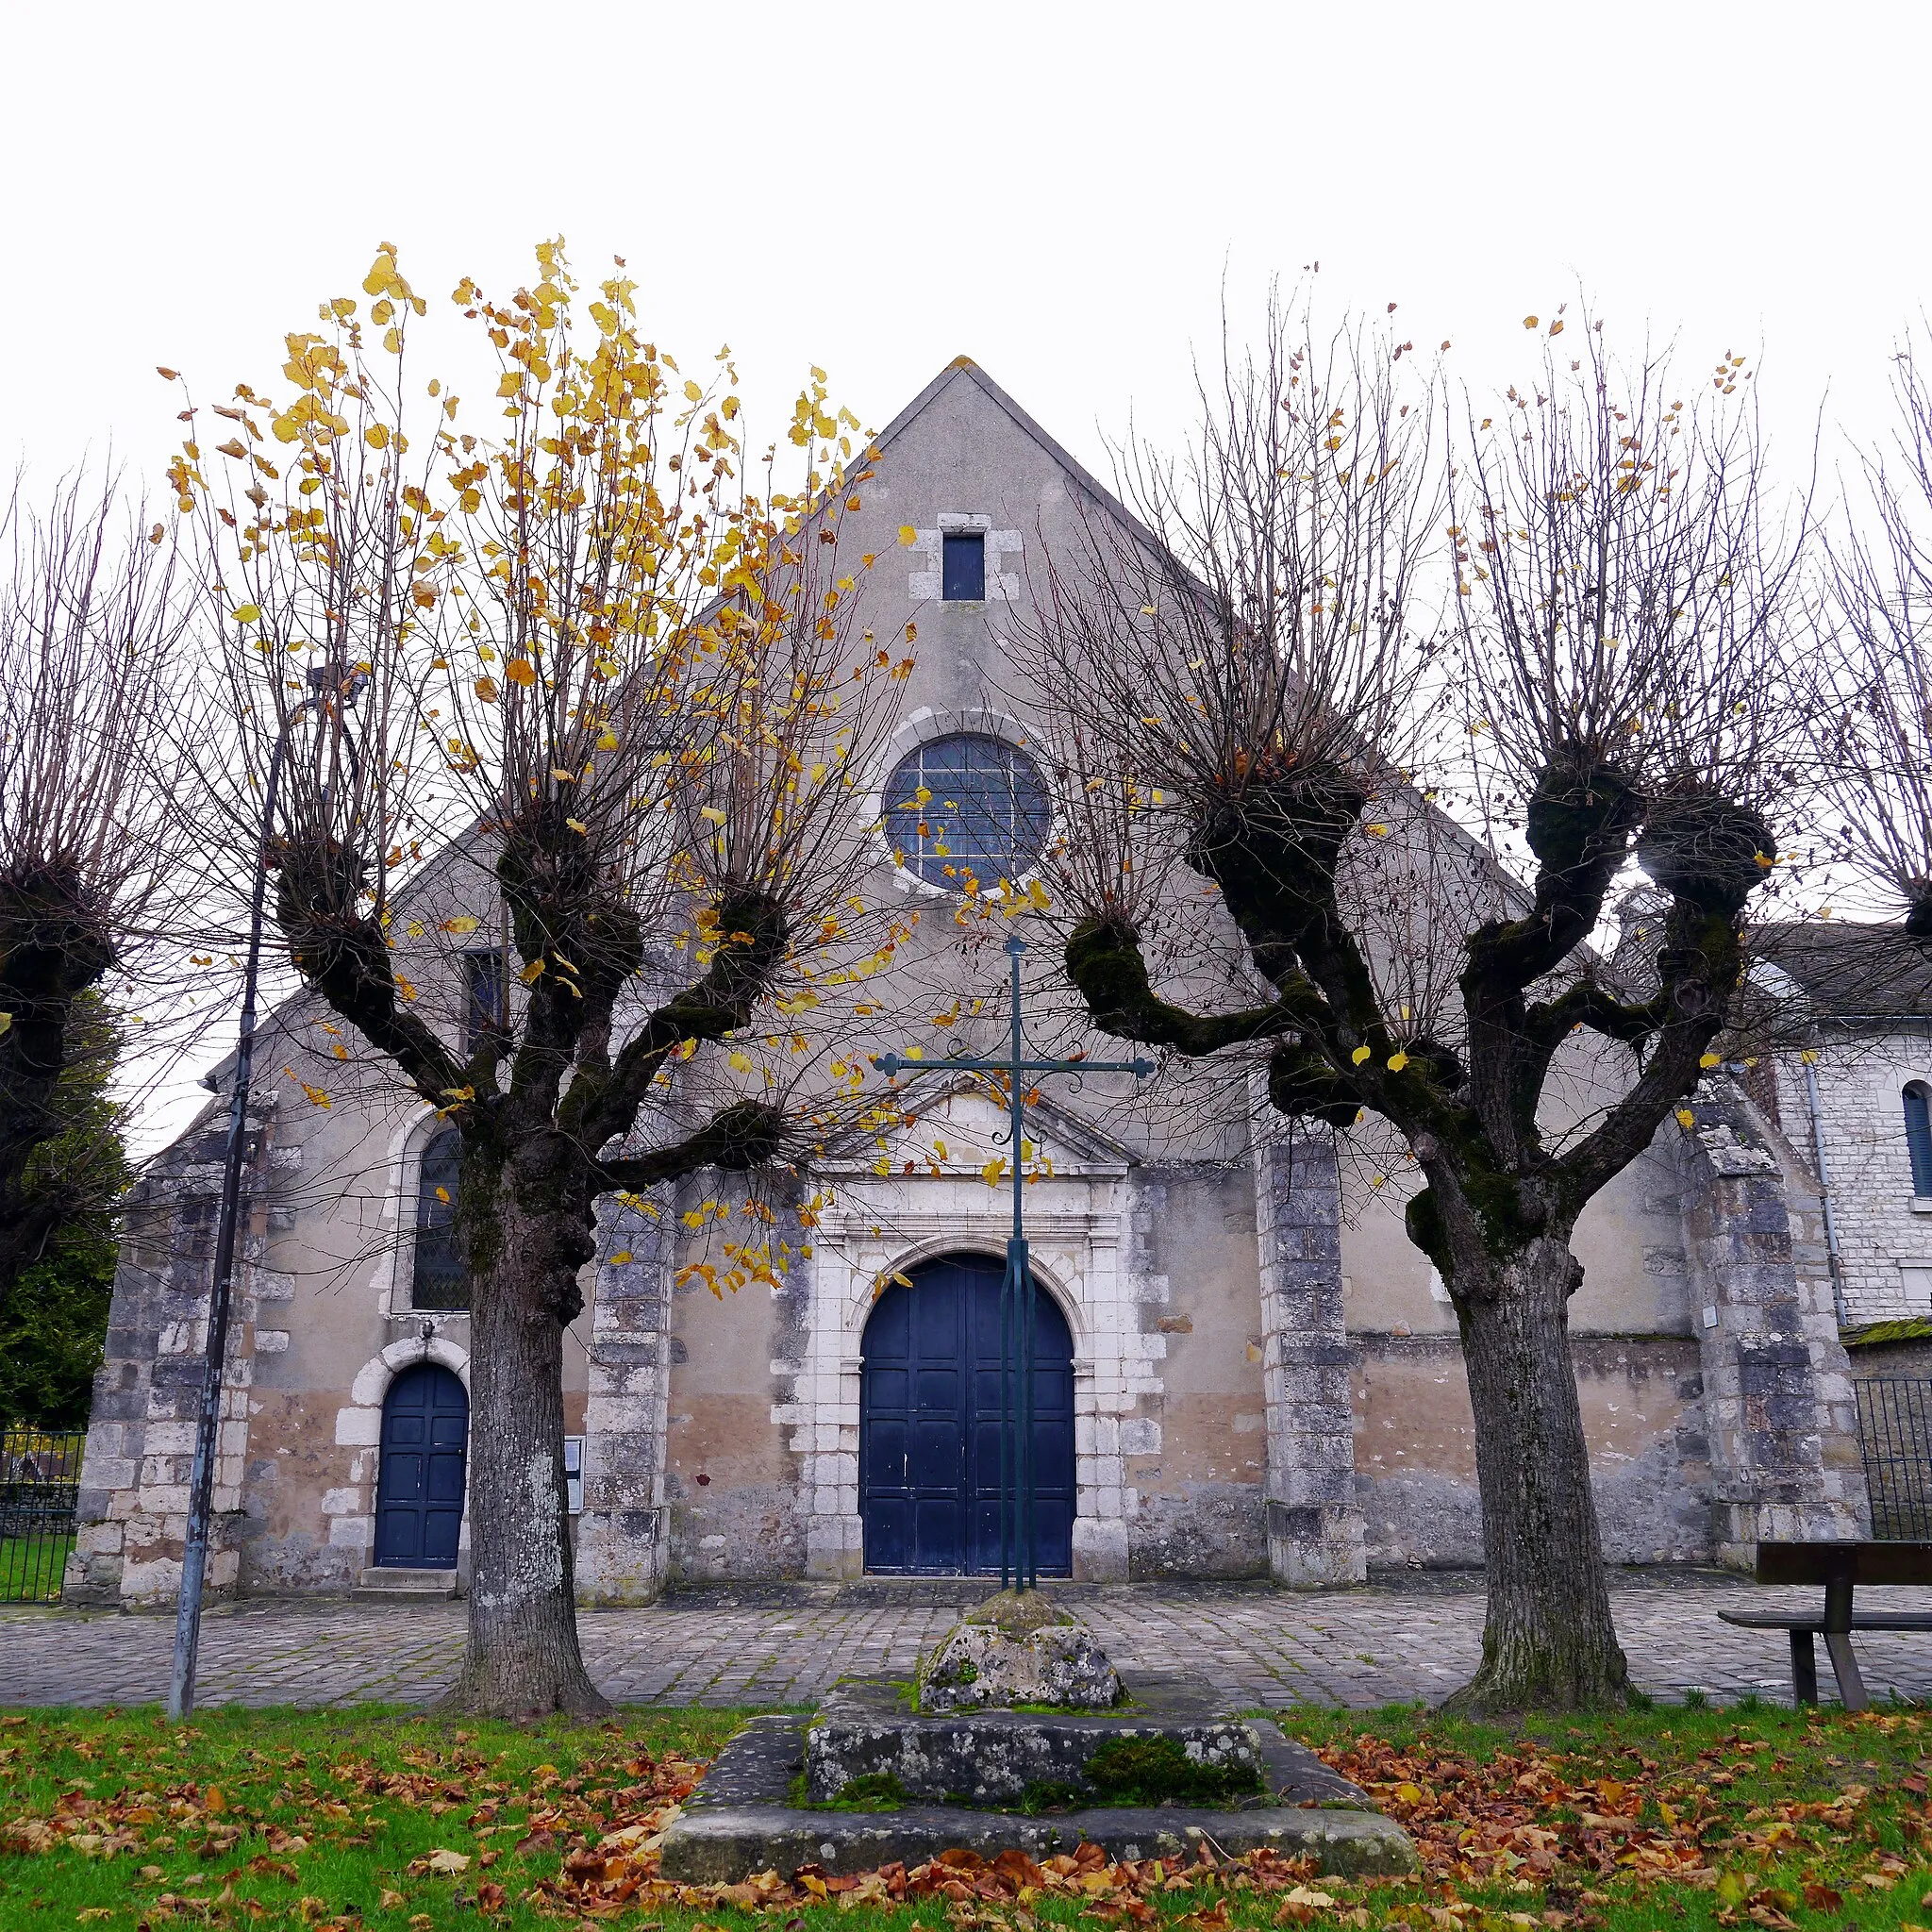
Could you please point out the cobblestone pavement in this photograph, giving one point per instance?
(782, 1643)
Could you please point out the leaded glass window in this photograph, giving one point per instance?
(441, 1279)
(966, 810)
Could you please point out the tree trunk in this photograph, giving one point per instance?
(1548, 1641)
(522, 1658)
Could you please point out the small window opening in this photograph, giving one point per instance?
(963, 577)
(487, 995)
(440, 1280)
(1919, 1136)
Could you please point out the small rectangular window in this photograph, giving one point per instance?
(573, 1473)
(487, 1001)
(962, 579)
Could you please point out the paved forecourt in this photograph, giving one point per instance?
(770, 1645)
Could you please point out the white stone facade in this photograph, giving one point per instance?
(1884, 1230)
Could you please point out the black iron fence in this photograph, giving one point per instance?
(1895, 1437)
(40, 1482)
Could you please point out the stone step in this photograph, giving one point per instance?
(406, 1585)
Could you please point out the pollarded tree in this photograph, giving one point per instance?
(580, 660)
(1248, 689)
(89, 858)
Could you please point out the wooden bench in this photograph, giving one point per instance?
(1841, 1567)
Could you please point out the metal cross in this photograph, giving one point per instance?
(1019, 1567)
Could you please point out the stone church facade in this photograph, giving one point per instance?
(1259, 1377)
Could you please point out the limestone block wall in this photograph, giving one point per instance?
(1780, 1414)
(621, 1547)
(1314, 1524)
(132, 1511)
(1884, 1229)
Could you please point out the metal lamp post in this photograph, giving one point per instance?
(325, 680)
(1019, 1566)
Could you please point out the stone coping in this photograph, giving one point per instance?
(741, 1819)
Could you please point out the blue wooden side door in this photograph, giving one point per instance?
(929, 1425)
(419, 1489)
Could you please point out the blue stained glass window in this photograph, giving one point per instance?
(967, 809)
(962, 573)
(1918, 1137)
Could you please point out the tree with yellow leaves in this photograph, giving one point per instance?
(573, 650)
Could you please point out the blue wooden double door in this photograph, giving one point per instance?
(420, 1481)
(929, 1425)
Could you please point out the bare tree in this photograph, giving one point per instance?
(608, 705)
(1873, 697)
(88, 631)
(1250, 688)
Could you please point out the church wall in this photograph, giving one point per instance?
(1196, 1453)
(731, 1479)
(1415, 1449)
(1884, 1230)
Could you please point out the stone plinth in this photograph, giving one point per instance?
(866, 1727)
(739, 1820)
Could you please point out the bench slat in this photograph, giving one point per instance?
(1872, 1563)
(1814, 1620)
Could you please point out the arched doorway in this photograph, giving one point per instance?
(418, 1487)
(929, 1425)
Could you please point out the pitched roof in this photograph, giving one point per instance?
(1852, 971)
(965, 369)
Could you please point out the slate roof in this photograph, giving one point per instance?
(1852, 971)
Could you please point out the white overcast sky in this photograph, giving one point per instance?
(1053, 189)
(1057, 190)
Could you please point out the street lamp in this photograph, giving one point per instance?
(325, 681)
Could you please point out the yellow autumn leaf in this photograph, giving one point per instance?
(1711, 1060)
(711, 812)
(1685, 1119)
(463, 922)
(317, 1095)
(608, 742)
(248, 613)
(621, 1256)
(740, 1062)
(1360, 1054)
(578, 826)
(907, 535)
(443, 1195)
(1397, 1062)
(5, 1022)
(1378, 831)
(994, 1170)
(521, 670)
(533, 972)
(486, 689)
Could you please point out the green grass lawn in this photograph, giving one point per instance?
(1657, 1818)
(31, 1568)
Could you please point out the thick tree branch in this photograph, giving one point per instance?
(1698, 967)
(345, 956)
(1105, 962)
(743, 1136)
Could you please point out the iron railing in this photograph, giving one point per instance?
(40, 1483)
(1895, 1439)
